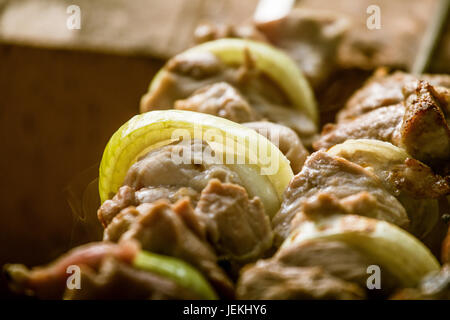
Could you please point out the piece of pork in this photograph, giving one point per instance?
(186, 73)
(418, 125)
(380, 90)
(117, 280)
(172, 230)
(49, 282)
(106, 272)
(424, 132)
(419, 190)
(124, 198)
(191, 71)
(323, 173)
(237, 226)
(127, 196)
(219, 99)
(336, 258)
(380, 124)
(272, 280)
(384, 89)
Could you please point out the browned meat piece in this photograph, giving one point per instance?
(311, 38)
(161, 168)
(380, 124)
(196, 65)
(237, 226)
(208, 32)
(272, 280)
(424, 215)
(127, 197)
(424, 132)
(412, 177)
(418, 188)
(219, 99)
(172, 230)
(322, 173)
(336, 258)
(417, 125)
(435, 286)
(192, 71)
(411, 182)
(49, 282)
(186, 73)
(120, 224)
(285, 139)
(384, 90)
(124, 198)
(323, 204)
(380, 90)
(441, 84)
(117, 280)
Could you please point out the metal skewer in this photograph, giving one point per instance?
(431, 38)
(271, 10)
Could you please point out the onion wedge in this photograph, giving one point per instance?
(369, 151)
(176, 270)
